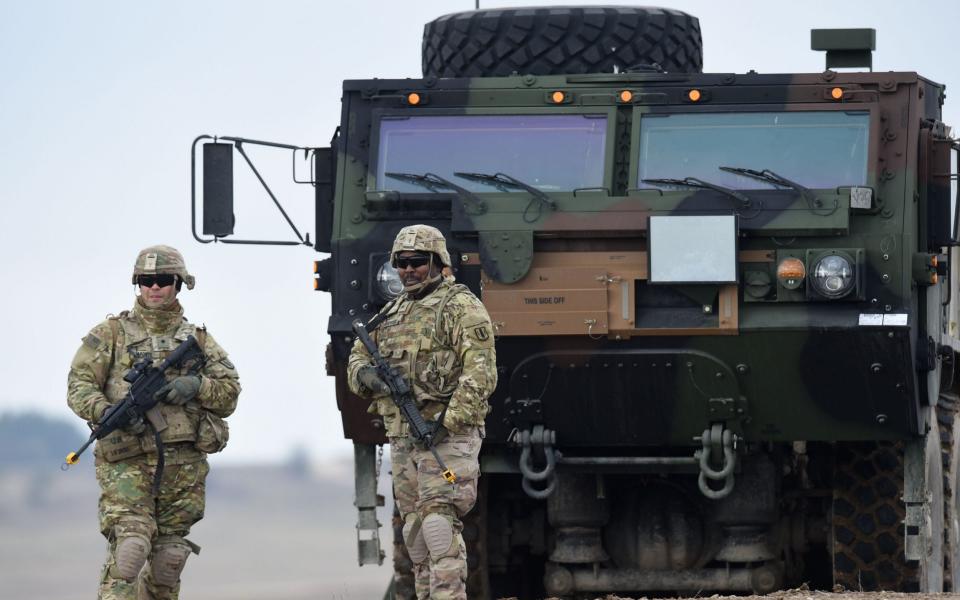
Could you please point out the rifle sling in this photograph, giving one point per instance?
(373, 323)
(443, 413)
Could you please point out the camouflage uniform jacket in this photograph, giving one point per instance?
(110, 350)
(443, 344)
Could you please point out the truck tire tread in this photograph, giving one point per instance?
(947, 406)
(867, 519)
(555, 40)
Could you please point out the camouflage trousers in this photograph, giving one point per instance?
(128, 509)
(423, 497)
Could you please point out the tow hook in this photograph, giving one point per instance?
(541, 439)
(721, 443)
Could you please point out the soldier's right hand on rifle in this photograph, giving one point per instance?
(135, 427)
(371, 380)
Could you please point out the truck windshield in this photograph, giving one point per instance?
(818, 149)
(549, 152)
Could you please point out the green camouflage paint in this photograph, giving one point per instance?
(828, 399)
(780, 339)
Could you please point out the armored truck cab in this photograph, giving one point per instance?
(723, 303)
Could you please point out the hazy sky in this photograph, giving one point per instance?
(100, 102)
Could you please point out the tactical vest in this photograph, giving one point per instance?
(413, 337)
(132, 342)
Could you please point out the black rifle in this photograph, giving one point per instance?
(145, 381)
(404, 399)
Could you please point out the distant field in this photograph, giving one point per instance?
(269, 533)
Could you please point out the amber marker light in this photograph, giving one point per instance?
(694, 95)
(626, 96)
(790, 273)
(316, 283)
(413, 98)
(558, 97)
(836, 93)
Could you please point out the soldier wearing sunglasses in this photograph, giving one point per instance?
(439, 336)
(147, 533)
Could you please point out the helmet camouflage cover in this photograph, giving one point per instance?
(422, 238)
(161, 259)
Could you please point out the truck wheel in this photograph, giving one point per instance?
(403, 585)
(867, 519)
(950, 447)
(555, 40)
(475, 538)
(867, 541)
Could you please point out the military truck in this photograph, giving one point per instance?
(724, 304)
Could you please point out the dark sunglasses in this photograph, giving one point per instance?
(402, 262)
(161, 280)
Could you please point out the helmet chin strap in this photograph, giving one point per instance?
(419, 287)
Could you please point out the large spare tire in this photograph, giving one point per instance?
(555, 40)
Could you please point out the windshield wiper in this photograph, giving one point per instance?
(435, 183)
(768, 176)
(744, 200)
(502, 181)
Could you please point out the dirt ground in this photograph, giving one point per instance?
(269, 533)
(802, 594)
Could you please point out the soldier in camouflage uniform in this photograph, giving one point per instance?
(147, 533)
(439, 335)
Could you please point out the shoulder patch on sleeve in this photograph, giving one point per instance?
(481, 333)
(92, 341)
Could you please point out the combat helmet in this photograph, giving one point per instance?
(422, 238)
(160, 259)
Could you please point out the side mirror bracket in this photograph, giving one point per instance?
(218, 217)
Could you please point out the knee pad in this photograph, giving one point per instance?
(130, 555)
(169, 557)
(413, 538)
(438, 534)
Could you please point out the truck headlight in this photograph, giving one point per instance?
(388, 281)
(833, 276)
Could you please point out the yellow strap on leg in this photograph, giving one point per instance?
(447, 474)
